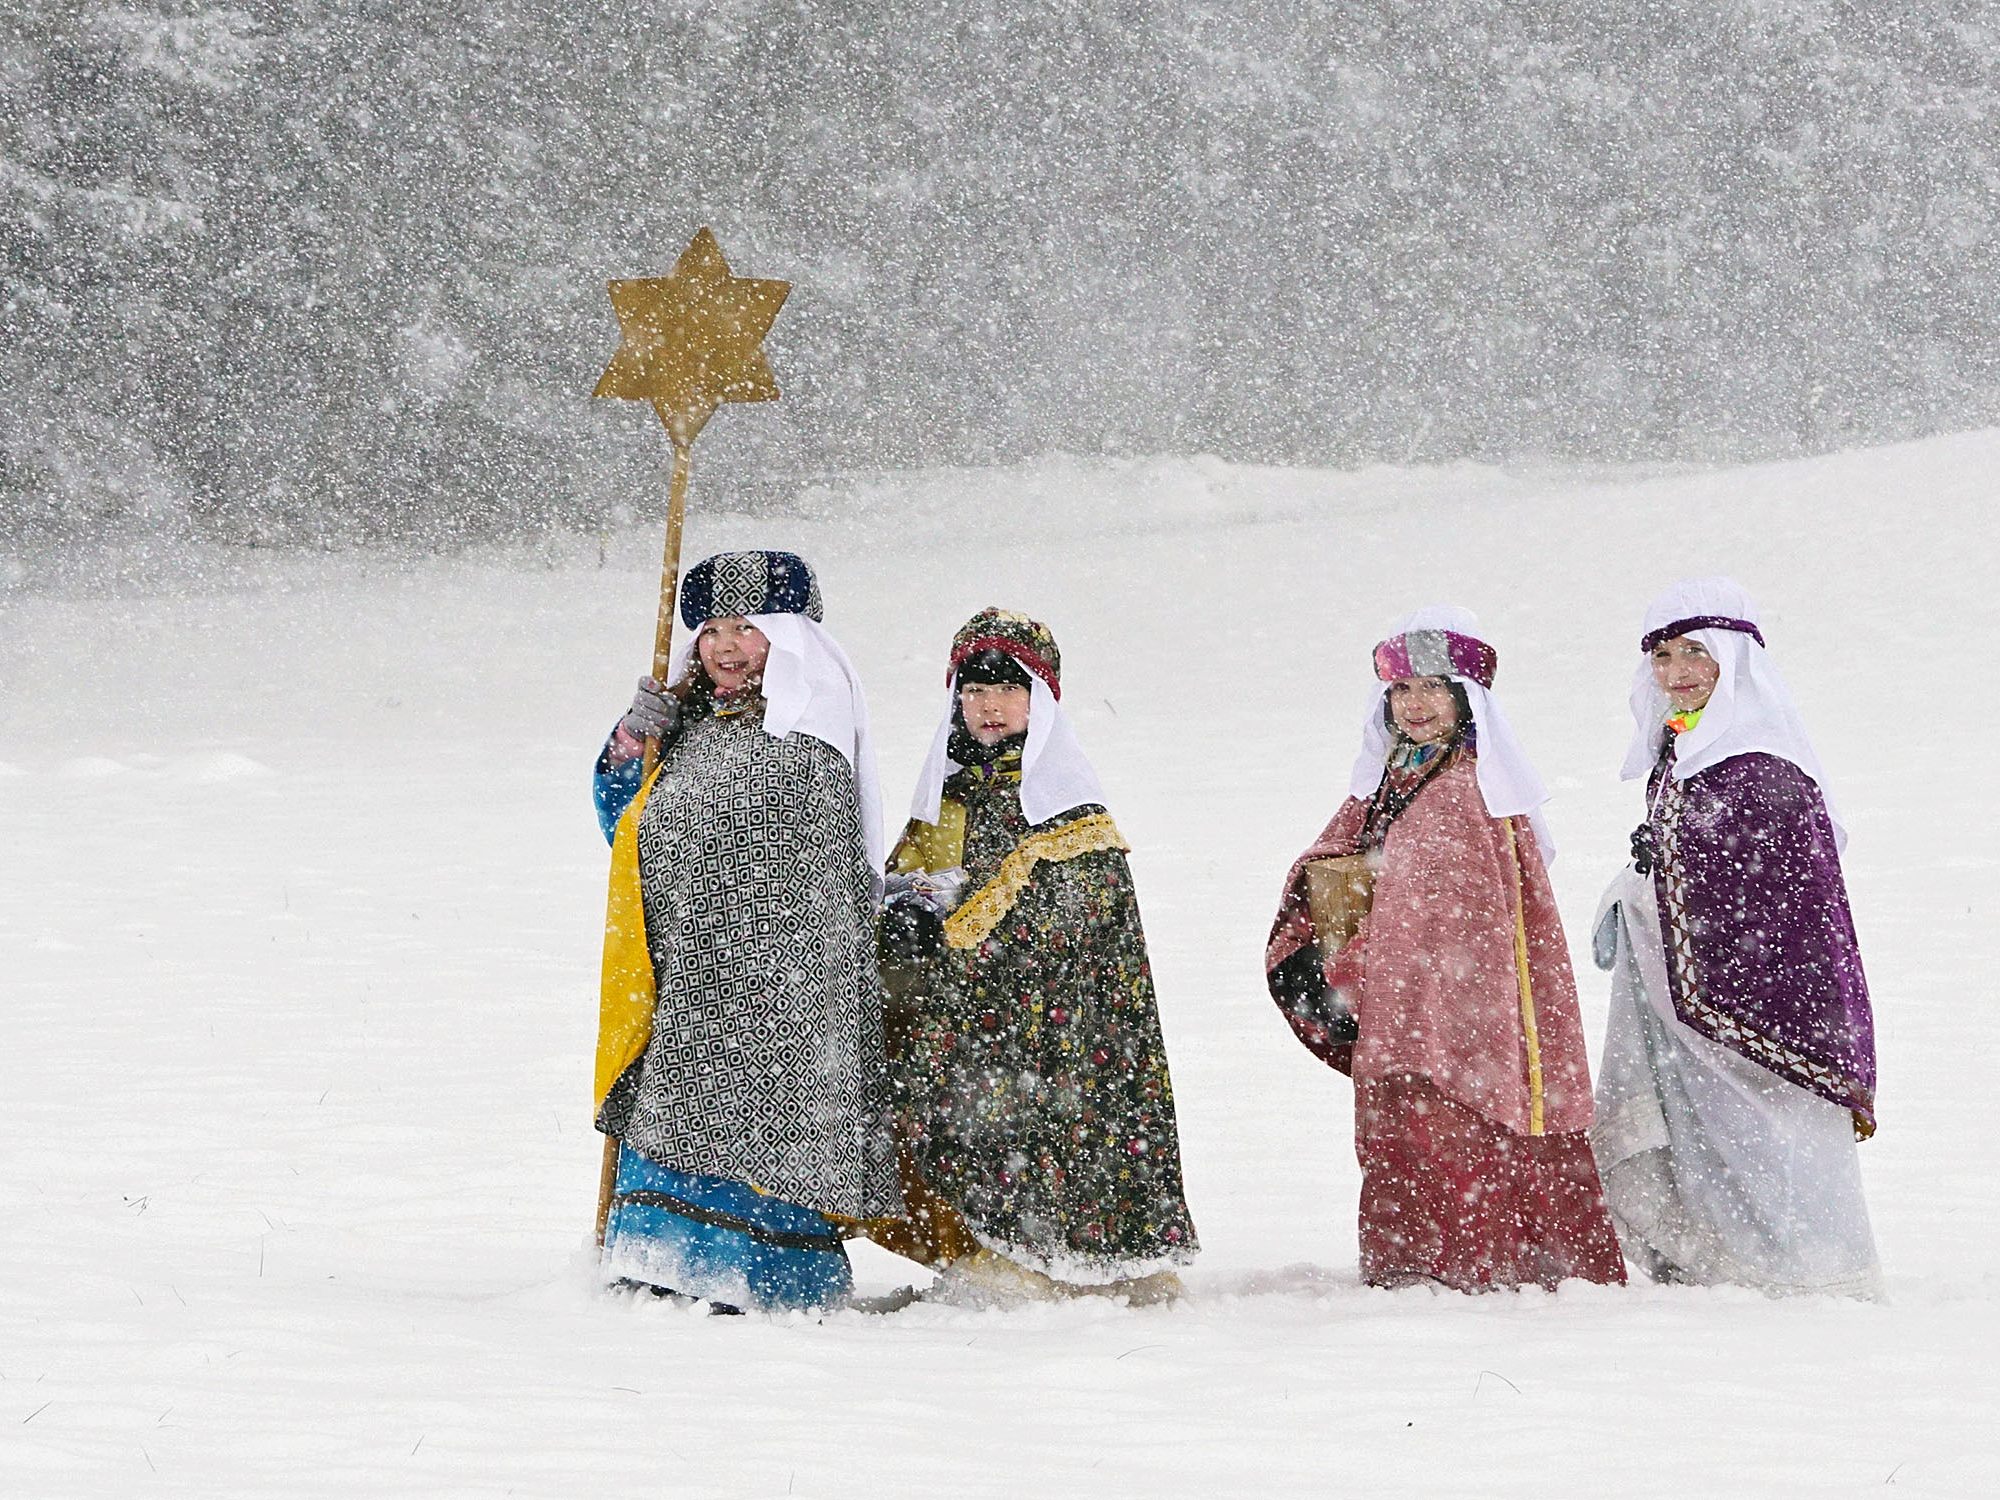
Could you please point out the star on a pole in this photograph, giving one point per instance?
(693, 340)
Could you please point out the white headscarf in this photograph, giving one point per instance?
(1055, 773)
(810, 687)
(1751, 709)
(1508, 783)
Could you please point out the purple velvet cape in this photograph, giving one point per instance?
(1761, 951)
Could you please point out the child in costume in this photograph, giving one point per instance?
(1041, 1154)
(1739, 1068)
(1453, 1006)
(740, 1056)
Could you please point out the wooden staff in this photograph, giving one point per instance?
(691, 341)
(663, 655)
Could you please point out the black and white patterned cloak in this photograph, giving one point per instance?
(765, 1063)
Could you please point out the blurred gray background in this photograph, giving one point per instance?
(322, 272)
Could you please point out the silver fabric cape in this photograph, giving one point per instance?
(766, 1061)
(1714, 1169)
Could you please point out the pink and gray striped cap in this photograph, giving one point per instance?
(1436, 653)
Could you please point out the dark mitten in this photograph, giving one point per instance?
(1299, 986)
(911, 932)
(1644, 854)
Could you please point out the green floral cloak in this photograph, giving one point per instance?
(1031, 1079)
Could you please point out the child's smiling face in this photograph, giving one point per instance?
(1686, 673)
(733, 653)
(993, 711)
(1424, 708)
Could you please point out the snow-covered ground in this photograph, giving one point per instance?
(299, 916)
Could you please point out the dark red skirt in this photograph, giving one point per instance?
(1448, 1196)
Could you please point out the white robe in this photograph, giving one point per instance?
(1715, 1170)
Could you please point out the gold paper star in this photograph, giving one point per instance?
(693, 340)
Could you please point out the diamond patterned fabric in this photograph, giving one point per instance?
(765, 1064)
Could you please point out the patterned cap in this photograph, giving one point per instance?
(1027, 641)
(1436, 653)
(749, 583)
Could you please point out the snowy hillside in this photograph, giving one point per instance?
(298, 934)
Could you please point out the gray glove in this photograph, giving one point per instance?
(938, 890)
(653, 714)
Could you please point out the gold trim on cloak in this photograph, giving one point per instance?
(1530, 1033)
(987, 907)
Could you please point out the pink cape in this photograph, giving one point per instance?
(1432, 976)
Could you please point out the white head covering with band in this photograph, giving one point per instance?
(1751, 709)
(1441, 640)
(1056, 775)
(810, 686)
